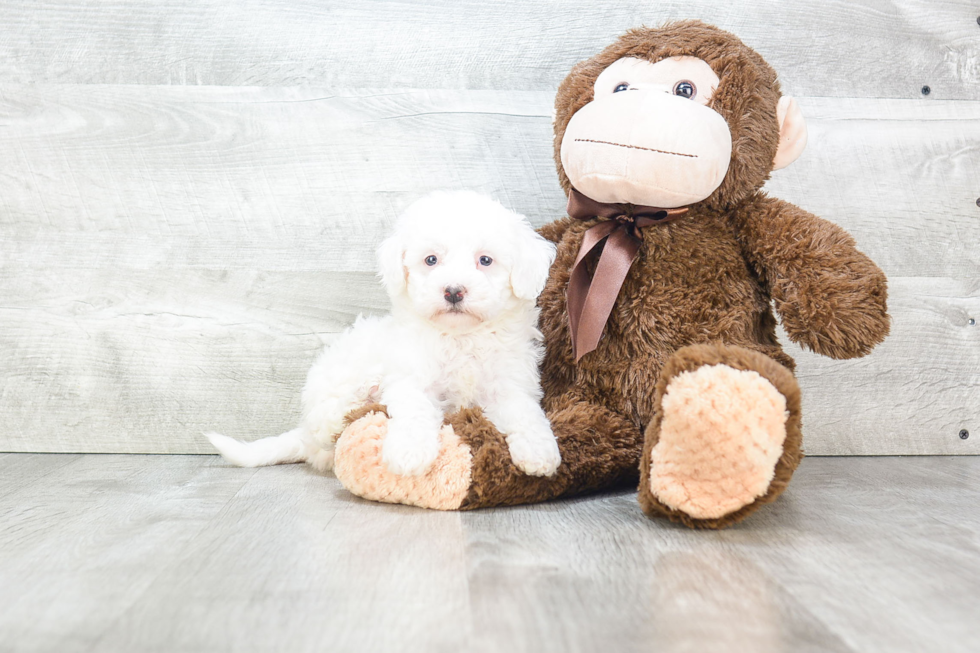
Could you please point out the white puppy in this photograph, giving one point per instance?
(463, 274)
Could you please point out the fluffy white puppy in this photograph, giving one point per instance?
(463, 274)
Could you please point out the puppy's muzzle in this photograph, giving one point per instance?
(454, 295)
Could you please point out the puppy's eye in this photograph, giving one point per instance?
(685, 89)
(431, 260)
(485, 260)
(622, 86)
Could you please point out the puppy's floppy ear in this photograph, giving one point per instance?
(534, 256)
(391, 264)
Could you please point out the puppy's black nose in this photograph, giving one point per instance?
(454, 294)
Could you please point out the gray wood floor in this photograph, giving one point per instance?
(183, 553)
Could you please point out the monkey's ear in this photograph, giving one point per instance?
(792, 132)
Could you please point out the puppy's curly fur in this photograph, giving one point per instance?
(462, 273)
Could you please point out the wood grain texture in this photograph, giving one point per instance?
(333, 576)
(173, 258)
(18, 471)
(915, 392)
(325, 167)
(104, 525)
(123, 360)
(288, 179)
(838, 48)
(902, 176)
(185, 553)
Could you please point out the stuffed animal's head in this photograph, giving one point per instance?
(673, 116)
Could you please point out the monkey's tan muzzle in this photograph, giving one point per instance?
(646, 147)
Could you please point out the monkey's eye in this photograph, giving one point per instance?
(622, 86)
(685, 89)
(431, 260)
(485, 260)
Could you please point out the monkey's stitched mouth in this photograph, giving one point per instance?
(635, 147)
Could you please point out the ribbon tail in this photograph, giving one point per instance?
(578, 280)
(578, 287)
(600, 296)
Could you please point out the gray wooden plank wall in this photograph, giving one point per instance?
(190, 193)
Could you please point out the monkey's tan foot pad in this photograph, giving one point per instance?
(721, 435)
(358, 466)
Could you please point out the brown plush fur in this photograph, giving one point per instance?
(600, 449)
(700, 292)
(358, 413)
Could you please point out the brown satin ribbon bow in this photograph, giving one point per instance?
(590, 301)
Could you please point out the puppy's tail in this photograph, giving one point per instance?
(290, 447)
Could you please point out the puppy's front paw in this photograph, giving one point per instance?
(534, 453)
(408, 451)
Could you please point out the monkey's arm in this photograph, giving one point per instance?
(831, 297)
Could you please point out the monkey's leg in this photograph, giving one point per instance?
(599, 448)
(725, 438)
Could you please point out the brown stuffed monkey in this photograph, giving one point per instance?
(662, 362)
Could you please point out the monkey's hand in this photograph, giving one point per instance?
(839, 312)
(831, 297)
